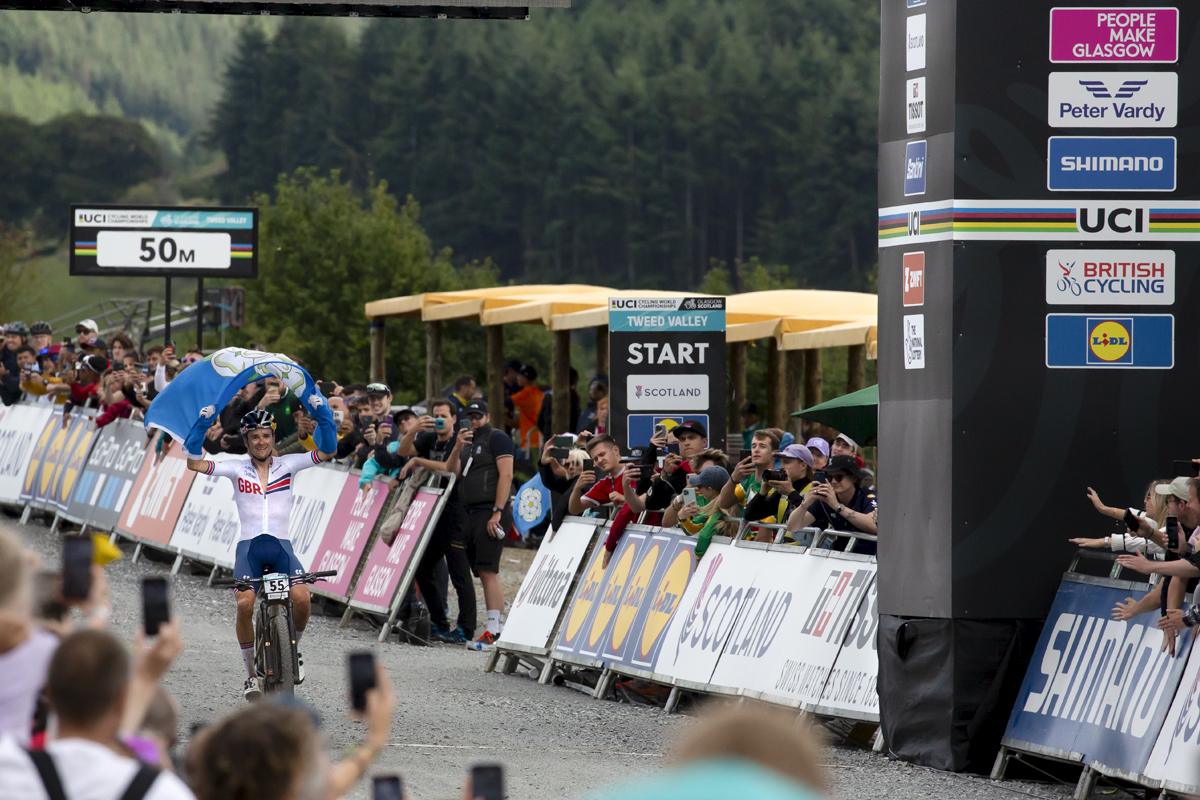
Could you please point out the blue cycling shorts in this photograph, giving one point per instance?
(263, 555)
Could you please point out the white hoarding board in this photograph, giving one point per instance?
(1175, 759)
(535, 609)
(315, 494)
(852, 689)
(20, 425)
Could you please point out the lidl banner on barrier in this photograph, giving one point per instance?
(1097, 686)
(852, 687)
(650, 598)
(579, 615)
(157, 497)
(346, 535)
(385, 566)
(20, 429)
(1175, 759)
(109, 474)
(208, 528)
(535, 609)
(51, 427)
(315, 493)
(74, 456)
(64, 445)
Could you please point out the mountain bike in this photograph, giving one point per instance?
(275, 653)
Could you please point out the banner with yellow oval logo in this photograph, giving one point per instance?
(52, 426)
(615, 579)
(75, 456)
(1129, 341)
(583, 601)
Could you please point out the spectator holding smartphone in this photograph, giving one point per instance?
(1157, 506)
(840, 503)
(375, 424)
(560, 479)
(16, 334)
(746, 481)
(702, 515)
(279, 402)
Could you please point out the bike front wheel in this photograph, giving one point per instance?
(285, 655)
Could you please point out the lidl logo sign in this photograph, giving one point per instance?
(1139, 341)
(1109, 342)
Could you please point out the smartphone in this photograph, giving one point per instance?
(673, 448)
(171, 344)
(388, 787)
(156, 608)
(1172, 533)
(439, 424)
(588, 465)
(338, 416)
(1186, 469)
(1131, 520)
(66, 340)
(388, 419)
(362, 678)
(561, 453)
(819, 476)
(564, 441)
(487, 781)
(745, 454)
(326, 387)
(464, 424)
(77, 567)
(688, 495)
(659, 430)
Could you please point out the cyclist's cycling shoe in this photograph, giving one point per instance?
(455, 636)
(251, 691)
(300, 671)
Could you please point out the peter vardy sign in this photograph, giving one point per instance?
(1113, 100)
(667, 356)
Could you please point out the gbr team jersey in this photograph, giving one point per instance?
(263, 511)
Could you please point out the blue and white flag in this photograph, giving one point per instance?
(186, 408)
(533, 504)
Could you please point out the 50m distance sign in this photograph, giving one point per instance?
(146, 240)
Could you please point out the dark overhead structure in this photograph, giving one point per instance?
(448, 9)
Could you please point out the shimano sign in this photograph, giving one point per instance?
(1111, 164)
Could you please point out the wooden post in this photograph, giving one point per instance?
(601, 352)
(495, 374)
(561, 383)
(737, 389)
(433, 358)
(777, 386)
(795, 389)
(378, 348)
(856, 364)
(768, 413)
(813, 382)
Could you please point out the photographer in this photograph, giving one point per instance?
(840, 503)
(560, 479)
(375, 425)
(691, 439)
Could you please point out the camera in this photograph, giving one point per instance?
(774, 475)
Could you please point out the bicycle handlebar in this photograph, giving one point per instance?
(308, 577)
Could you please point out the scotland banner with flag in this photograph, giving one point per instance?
(187, 406)
(533, 504)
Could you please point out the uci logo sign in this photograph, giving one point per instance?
(1115, 220)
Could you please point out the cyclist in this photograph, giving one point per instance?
(263, 493)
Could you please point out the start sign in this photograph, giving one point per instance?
(148, 240)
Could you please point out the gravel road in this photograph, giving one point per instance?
(555, 743)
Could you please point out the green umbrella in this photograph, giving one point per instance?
(855, 414)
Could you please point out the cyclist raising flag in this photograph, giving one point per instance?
(262, 484)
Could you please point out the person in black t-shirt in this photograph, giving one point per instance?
(840, 503)
(432, 444)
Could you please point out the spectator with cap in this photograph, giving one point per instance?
(797, 461)
(597, 391)
(41, 335)
(840, 503)
(89, 686)
(486, 461)
(691, 439)
(527, 403)
(375, 423)
(844, 445)
(45, 385)
(87, 334)
(16, 334)
(84, 383)
(702, 517)
(751, 424)
(820, 451)
(462, 393)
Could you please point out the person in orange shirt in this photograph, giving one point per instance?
(527, 401)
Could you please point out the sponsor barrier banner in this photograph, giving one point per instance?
(315, 494)
(208, 528)
(649, 601)
(797, 613)
(531, 618)
(1132, 341)
(156, 500)
(71, 464)
(385, 565)
(707, 613)
(1175, 760)
(21, 426)
(57, 445)
(851, 690)
(1097, 689)
(1110, 277)
(109, 474)
(667, 357)
(587, 593)
(346, 535)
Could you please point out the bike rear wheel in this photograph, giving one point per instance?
(282, 636)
